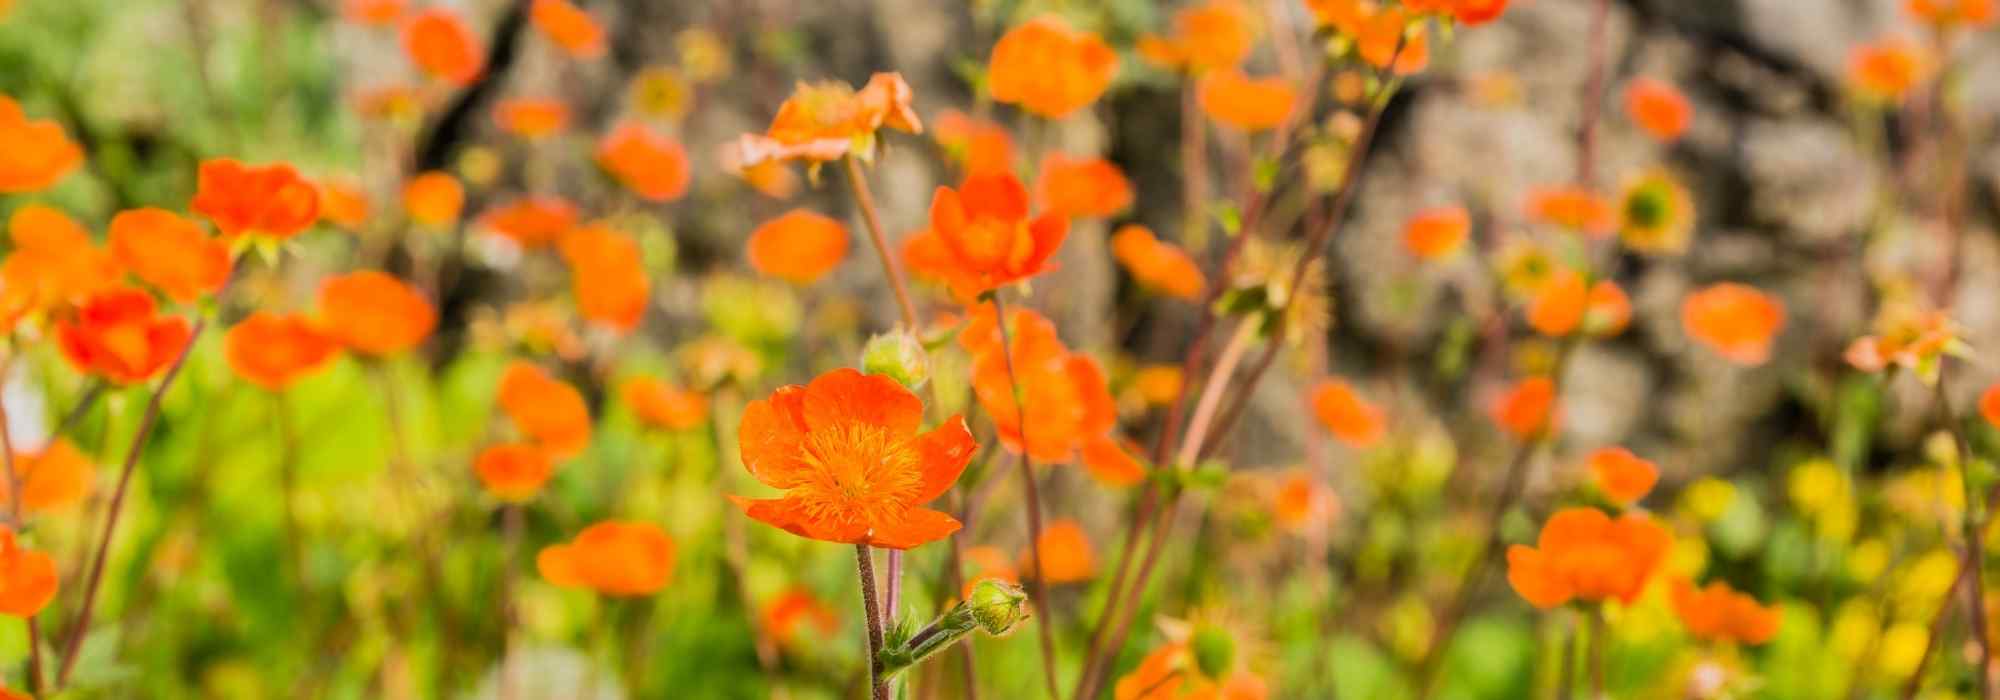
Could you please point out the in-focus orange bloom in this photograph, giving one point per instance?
(1080, 187)
(981, 237)
(56, 477)
(1573, 208)
(1217, 34)
(1528, 408)
(1586, 555)
(1989, 405)
(533, 221)
(1558, 306)
(513, 471)
(797, 611)
(1659, 108)
(980, 145)
(247, 200)
(434, 199)
(1436, 233)
(54, 264)
(848, 452)
(663, 405)
(1302, 502)
(373, 313)
(1719, 613)
(651, 165)
(1887, 70)
(1067, 400)
(531, 117)
(1622, 476)
(1249, 104)
(343, 203)
(1953, 13)
(607, 276)
(1172, 672)
(613, 557)
(1735, 320)
(34, 154)
(439, 42)
(375, 12)
(1158, 264)
(1907, 338)
(273, 350)
(569, 27)
(1110, 461)
(1066, 554)
(1606, 310)
(1048, 68)
(1347, 415)
(800, 247)
(830, 120)
(119, 335)
(547, 410)
(27, 578)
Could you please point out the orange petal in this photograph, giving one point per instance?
(846, 395)
(944, 452)
(919, 526)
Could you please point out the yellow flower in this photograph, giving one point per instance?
(1708, 498)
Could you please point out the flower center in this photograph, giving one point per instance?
(861, 474)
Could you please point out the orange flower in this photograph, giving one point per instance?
(34, 154)
(268, 200)
(1173, 672)
(1218, 34)
(1949, 13)
(343, 203)
(513, 471)
(797, 611)
(799, 247)
(569, 27)
(1623, 476)
(1735, 320)
(607, 276)
(1584, 554)
(616, 558)
(830, 120)
(548, 411)
(1160, 384)
(272, 351)
(1719, 613)
(1989, 405)
(1302, 502)
(980, 145)
(1048, 68)
(377, 12)
(1606, 310)
(533, 221)
(27, 578)
(653, 166)
(981, 237)
(442, 46)
(1081, 187)
(663, 405)
(1527, 409)
(1158, 264)
(1435, 233)
(1347, 415)
(1066, 554)
(847, 452)
(1388, 35)
(1111, 461)
(531, 117)
(1906, 338)
(1067, 400)
(374, 313)
(1573, 208)
(1476, 12)
(120, 336)
(1249, 104)
(57, 477)
(1887, 70)
(1659, 108)
(54, 264)
(434, 199)
(1558, 306)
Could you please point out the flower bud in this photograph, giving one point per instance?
(1214, 652)
(897, 355)
(997, 606)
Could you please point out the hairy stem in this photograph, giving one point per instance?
(864, 563)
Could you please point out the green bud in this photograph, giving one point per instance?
(897, 355)
(993, 607)
(1214, 651)
(996, 606)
